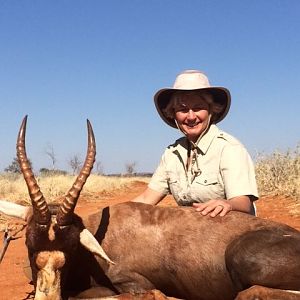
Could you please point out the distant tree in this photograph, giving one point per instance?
(14, 166)
(130, 168)
(75, 163)
(99, 168)
(49, 150)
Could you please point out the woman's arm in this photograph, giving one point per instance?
(149, 196)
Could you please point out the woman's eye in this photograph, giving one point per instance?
(186, 109)
(182, 110)
(197, 108)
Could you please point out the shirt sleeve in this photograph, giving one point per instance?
(238, 172)
(159, 180)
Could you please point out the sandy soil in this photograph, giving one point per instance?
(14, 285)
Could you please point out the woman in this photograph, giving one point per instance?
(207, 168)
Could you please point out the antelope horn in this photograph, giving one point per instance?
(41, 211)
(66, 209)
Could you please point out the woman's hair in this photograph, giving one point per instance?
(176, 99)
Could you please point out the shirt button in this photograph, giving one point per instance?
(205, 181)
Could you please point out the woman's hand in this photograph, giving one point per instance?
(214, 207)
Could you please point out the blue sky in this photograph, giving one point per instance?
(62, 62)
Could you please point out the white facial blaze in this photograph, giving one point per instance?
(51, 232)
(49, 275)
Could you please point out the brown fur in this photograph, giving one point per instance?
(148, 295)
(173, 249)
(186, 255)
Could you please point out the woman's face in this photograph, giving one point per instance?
(192, 115)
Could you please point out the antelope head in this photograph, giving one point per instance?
(52, 239)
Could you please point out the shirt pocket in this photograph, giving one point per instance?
(207, 179)
(207, 186)
(174, 184)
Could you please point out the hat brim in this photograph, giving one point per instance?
(221, 96)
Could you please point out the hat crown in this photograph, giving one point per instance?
(191, 80)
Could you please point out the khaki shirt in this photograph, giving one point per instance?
(221, 168)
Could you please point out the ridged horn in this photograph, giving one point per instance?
(41, 211)
(66, 209)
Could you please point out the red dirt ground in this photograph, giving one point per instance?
(15, 286)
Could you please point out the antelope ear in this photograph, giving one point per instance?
(90, 243)
(15, 210)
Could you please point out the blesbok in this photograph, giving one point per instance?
(134, 247)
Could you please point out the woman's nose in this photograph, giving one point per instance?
(191, 114)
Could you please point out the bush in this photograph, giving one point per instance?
(56, 172)
(278, 173)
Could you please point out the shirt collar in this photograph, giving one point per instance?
(181, 145)
(206, 140)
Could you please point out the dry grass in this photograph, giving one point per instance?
(278, 173)
(13, 186)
